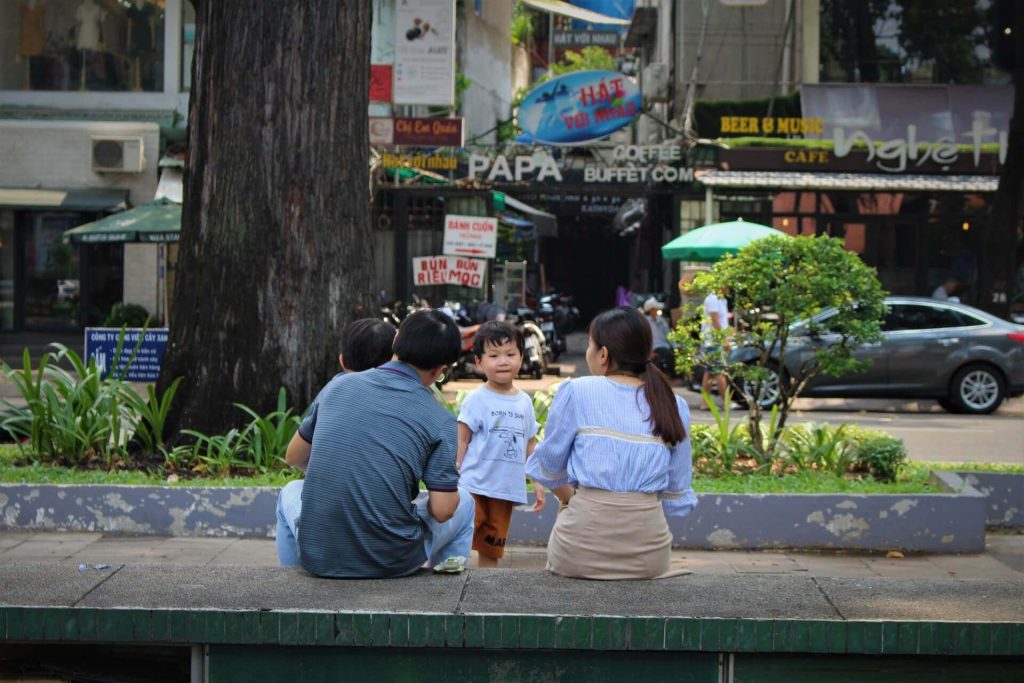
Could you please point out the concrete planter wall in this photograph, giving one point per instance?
(952, 522)
(1004, 494)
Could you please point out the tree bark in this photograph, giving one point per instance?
(276, 250)
(999, 243)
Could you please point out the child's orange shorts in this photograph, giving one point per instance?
(490, 525)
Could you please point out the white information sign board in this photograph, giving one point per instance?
(470, 236)
(449, 270)
(424, 52)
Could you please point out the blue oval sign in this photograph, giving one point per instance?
(579, 107)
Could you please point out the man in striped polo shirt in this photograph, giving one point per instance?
(369, 441)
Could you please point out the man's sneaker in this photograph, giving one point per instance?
(456, 564)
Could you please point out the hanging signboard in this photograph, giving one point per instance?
(425, 52)
(426, 132)
(449, 270)
(382, 130)
(578, 107)
(380, 82)
(585, 37)
(101, 347)
(470, 236)
(382, 35)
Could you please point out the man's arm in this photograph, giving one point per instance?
(442, 504)
(298, 452)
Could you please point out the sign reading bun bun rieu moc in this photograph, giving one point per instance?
(578, 107)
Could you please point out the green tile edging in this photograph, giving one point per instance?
(509, 631)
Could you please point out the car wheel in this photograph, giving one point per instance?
(977, 389)
(771, 393)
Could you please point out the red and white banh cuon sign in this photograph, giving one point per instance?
(470, 236)
(449, 270)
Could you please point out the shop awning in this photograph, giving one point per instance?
(860, 182)
(524, 229)
(158, 221)
(568, 10)
(546, 224)
(98, 200)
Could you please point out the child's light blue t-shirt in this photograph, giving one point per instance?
(494, 464)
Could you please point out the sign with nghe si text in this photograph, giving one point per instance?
(470, 236)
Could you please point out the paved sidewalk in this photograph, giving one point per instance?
(1003, 559)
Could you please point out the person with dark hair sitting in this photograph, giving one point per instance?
(616, 454)
(366, 343)
(370, 439)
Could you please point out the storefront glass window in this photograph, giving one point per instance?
(6, 270)
(52, 287)
(90, 45)
(910, 41)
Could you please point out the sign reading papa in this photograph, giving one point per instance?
(449, 270)
(578, 107)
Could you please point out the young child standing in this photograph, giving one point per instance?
(497, 432)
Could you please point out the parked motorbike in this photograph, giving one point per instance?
(546, 321)
(537, 353)
(465, 366)
(565, 314)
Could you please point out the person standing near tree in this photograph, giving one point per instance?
(714, 344)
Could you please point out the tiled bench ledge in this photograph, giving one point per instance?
(229, 624)
(511, 609)
(952, 522)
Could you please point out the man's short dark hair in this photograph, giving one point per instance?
(496, 333)
(427, 339)
(367, 343)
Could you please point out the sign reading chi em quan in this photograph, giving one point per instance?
(449, 270)
(470, 236)
(578, 107)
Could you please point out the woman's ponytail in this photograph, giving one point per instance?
(665, 420)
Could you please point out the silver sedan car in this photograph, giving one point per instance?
(965, 358)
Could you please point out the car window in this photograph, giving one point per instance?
(924, 317)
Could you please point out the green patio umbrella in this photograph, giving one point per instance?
(158, 221)
(712, 242)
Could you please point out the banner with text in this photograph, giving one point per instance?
(425, 52)
(101, 347)
(449, 270)
(470, 236)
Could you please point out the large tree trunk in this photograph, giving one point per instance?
(999, 243)
(276, 251)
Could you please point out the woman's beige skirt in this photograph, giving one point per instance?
(607, 535)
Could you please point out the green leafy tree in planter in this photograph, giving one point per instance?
(777, 286)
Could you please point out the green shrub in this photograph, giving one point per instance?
(128, 315)
(880, 455)
(74, 416)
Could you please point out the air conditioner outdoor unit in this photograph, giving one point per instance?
(654, 82)
(117, 154)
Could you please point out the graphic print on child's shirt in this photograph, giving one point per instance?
(507, 427)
